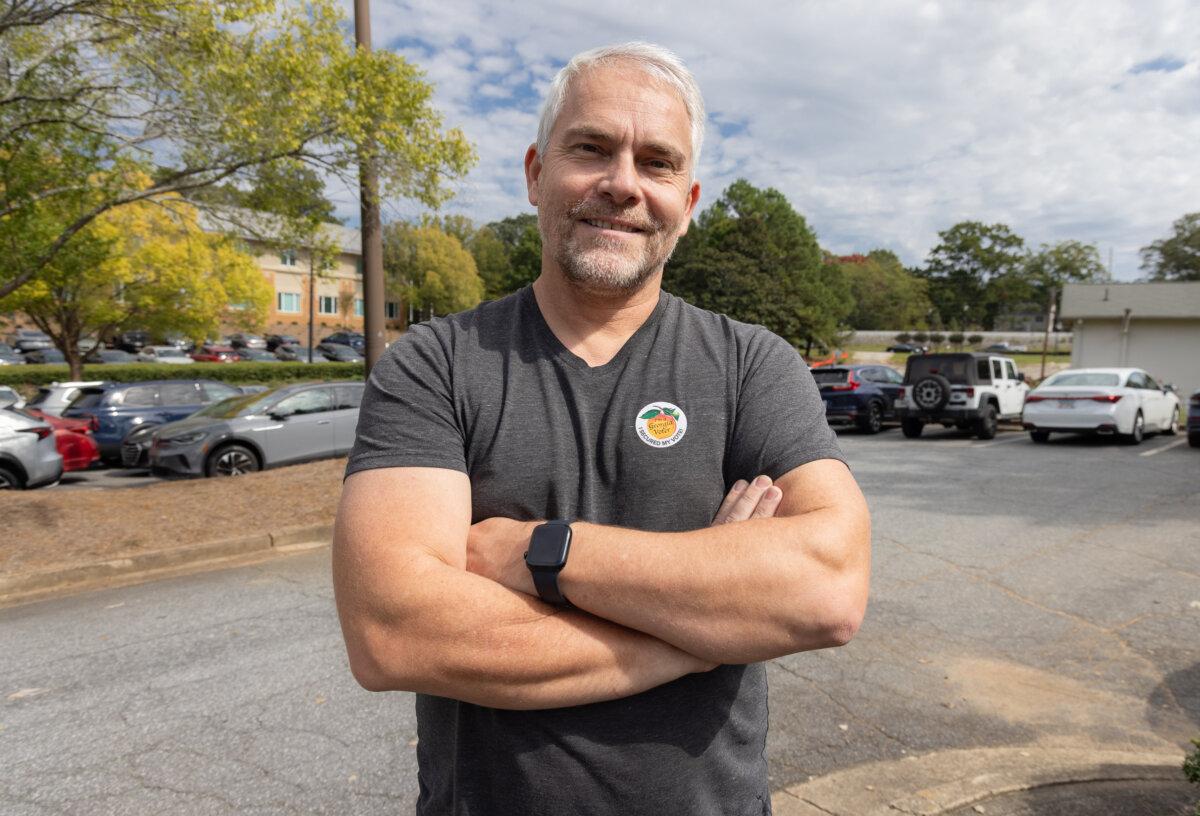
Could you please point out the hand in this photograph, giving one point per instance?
(757, 499)
(496, 550)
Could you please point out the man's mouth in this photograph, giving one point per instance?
(609, 225)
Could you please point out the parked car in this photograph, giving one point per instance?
(299, 354)
(241, 340)
(1122, 401)
(212, 353)
(337, 353)
(24, 340)
(28, 456)
(861, 395)
(45, 356)
(354, 340)
(178, 340)
(9, 355)
(72, 438)
(109, 356)
(256, 355)
(961, 390)
(907, 348)
(114, 409)
(274, 341)
(163, 354)
(1004, 348)
(54, 398)
(132, 341)
(281, 426)
(1193, 419)
(10, 398)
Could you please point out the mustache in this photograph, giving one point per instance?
(596, 211)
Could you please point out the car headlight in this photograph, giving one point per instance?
(184, 438)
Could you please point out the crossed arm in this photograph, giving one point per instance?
(429, 603)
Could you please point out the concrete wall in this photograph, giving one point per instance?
(1168, 349)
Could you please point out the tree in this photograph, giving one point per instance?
(430, 269)
(1054, 265)
(1176, 258)
(148, 265)
(508, 254)
(236, 91)
(753, 257)
(885, 295)
(968, 272)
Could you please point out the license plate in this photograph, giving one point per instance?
(1066, 403)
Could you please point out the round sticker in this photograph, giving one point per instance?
(661, 424)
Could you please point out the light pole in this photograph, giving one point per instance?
(372, 241)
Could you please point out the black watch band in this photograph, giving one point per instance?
(546, 582)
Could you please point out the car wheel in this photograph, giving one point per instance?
(872, 423)
(1172, 426)
(911, 428)
(232, 460)
(1138, 433)
(1039, 436)
(10, 479)
(985, 426)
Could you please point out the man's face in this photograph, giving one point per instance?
(614, 190)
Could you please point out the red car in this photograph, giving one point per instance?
(72, 438)
(216, 354)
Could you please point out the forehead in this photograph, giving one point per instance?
(626, 102)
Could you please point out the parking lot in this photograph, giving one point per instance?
(1032, 597)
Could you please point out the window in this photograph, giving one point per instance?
(180, 394)
(358, 307)
(312, 401)
(1136, 380)
(140, 396)
(391, 310)
(349, 396)
(892, 375)
(215, 392)
(287, 257)
(289, 302)
(1010, 369)
(327, 305)
(997, 370)
(358, 267)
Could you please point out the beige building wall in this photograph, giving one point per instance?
(1168, 349)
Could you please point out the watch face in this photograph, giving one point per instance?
(548, 546)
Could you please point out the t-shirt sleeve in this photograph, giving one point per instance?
(407, 417)
(780, 422)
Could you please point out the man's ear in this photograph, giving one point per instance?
(533, 170)
(693, 200)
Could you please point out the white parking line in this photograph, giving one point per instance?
(1173, 444)
(1016, 437)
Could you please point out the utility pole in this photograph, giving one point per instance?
(372, 230)
(1050, 314)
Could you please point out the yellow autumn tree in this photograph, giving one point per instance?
(148, 265)
(430, 269)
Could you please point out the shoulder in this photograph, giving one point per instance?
(749, 343)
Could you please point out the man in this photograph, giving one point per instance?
(616, 668)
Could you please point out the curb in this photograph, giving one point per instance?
(39, 584)
(940, 782)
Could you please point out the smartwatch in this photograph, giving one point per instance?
(546, 556)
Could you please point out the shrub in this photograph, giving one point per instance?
(1191, 768)
(903, 337)
(956, 339)
(975, 339)
(937, 338)
(233, 373)
(920, 336)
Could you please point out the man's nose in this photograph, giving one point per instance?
(620, 182)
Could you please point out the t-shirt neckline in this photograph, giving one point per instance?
(638, 339)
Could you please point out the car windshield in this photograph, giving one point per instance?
(1093, 378)
(828, 376)
(169, 351)
(243, 405)
(955, 369)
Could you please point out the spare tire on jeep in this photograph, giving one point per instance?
(931, 392)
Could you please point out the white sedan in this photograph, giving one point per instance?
(163, 354)
(1123, 401)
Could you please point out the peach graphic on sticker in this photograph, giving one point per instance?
(661, 424)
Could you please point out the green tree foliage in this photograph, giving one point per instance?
(1054, 265)
(754, 258)
(430, 269)
(236, 91)
(1176, 258)
(972, 273)
(883, 292)
(148, 266)
(508, 254)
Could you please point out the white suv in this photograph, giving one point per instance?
(964, 390)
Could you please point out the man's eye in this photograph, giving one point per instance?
(588, 148)
(660, 164)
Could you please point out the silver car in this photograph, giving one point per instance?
(282, 426)
(28, 453)
(54, 398)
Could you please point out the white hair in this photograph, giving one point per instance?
(658, 62)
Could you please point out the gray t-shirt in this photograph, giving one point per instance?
(651, 440)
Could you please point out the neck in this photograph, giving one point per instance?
(593, 325)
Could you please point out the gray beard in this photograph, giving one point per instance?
(601, 271)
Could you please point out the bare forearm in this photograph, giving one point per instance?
(462, 636)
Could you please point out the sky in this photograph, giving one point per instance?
(882, 122)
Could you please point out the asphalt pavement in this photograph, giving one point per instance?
(1033, 607)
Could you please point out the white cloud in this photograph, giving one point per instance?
(882, 123)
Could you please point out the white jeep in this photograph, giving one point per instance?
(961, 390)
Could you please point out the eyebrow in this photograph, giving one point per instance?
(657, 148)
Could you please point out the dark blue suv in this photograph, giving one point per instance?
(863, 395)
(1193, 419)
(115, 409)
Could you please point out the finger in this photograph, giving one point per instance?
(744, 505)
(769, 503)
(730, 498)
